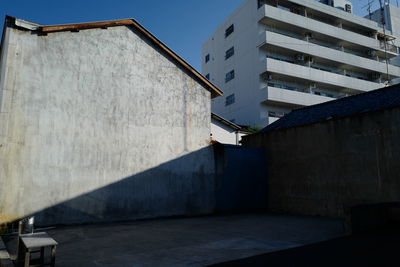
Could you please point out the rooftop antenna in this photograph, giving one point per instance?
(383, 20)
(368, 6)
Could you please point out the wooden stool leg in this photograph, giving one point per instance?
(42, 255)
(20, 256)
(53, 256)
(27, 258)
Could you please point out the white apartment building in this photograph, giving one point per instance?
(272, 56)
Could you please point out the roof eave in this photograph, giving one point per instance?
(226, 122)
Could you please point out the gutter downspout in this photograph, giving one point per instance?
(3, 57)
(237, 137)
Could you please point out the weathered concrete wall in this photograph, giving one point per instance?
(237, 184)
(101, 109)
(325, 168)
(241, 183)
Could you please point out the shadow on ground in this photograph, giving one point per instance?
(374, 248)
(197, 241)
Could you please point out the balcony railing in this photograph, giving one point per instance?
(328, 29)
(273, 94)
(301, 12)
(389, 47)
(336, 71)
(360, 65)
(363, 54)
(314, 91)
(304, 72)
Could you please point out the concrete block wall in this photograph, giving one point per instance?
(327, 167)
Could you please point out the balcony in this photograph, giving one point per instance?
(301, 46)
(267, 13)
(291, 98)
(316, 75)
(339, 14)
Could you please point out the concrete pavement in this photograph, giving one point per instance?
(188, 241)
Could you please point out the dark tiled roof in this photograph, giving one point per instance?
(375, 100)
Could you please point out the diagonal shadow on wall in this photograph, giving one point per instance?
(219, 178)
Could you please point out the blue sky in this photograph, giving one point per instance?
(182, 24)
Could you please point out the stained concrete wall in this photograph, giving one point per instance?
(99, 115)
(237, 184)
(240, 178)
(328, 167)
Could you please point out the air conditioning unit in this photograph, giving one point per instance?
(267, 77)
(300, 57)
(371, 53)
(309, 35)
(348, 8)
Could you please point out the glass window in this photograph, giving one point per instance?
(207, 58)
(230, 52)
(230, 99)
(276, 114)
(229, 31)
(230, 76)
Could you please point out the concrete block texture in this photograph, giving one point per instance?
(101, 108)
(326, 168)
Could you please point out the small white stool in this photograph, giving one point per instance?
(33, 243)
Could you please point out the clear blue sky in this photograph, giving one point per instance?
(182, 24)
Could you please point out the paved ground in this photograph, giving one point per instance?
(188, 241)
(375, 248)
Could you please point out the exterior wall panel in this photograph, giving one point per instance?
(328, 167)
(255, 37)
(100, 125)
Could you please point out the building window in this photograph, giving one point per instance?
(230, 52)
(207, 58)
(261, 3)
(230, 99)
(230, 76)
(208, 76)
(274, 114)
(229, 31)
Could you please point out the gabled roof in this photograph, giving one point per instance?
(226, 122)
(43, 29)
(385, 98)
